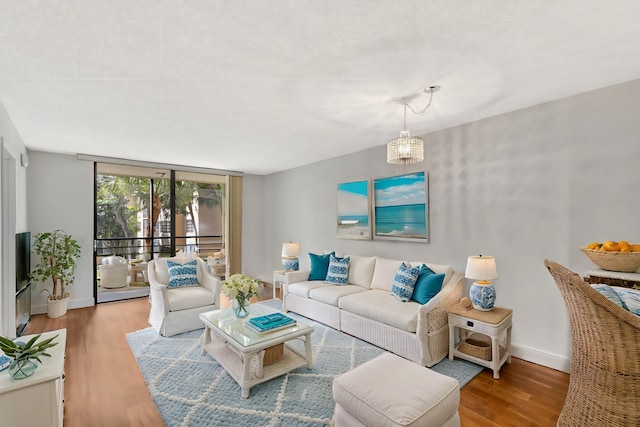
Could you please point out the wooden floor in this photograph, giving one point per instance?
(104, 387)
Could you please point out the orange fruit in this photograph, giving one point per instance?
(594, 246)
(610, 246)
(635, 247)
(624, 246)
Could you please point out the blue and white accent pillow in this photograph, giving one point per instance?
(182, 275)
(404, 282)
(627, 298)
(338, 271)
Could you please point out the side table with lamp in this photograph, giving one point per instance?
(482, 268)
(481, 334)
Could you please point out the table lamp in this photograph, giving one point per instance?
(290, 252)
(483, 270)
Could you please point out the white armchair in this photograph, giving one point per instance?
(176, 310)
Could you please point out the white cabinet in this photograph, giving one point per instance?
(39, 399)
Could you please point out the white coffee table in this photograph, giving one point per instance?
(241, 351)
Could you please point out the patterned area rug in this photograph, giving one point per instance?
(191, 389)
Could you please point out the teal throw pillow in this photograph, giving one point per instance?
(182, 275)
(404, 282)
(319, 266)
(338, 271)
(427, 286)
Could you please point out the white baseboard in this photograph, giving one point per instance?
(538, 357)
(73, 303)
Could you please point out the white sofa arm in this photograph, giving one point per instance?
(433, 315)
(158, 291)
(297, 276)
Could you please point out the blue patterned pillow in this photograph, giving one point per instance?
(427, 286)
(338, 272)
(181, 275)
(404, 282)
(627, 298)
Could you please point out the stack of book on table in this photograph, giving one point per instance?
(270, 323)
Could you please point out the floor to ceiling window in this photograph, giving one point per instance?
(142, 213)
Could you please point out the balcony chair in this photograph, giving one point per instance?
(175, 310)
(604, 385)
(113, 272)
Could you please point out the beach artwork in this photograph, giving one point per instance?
(353, 210)
(400, 207)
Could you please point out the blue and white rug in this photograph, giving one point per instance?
(191, 389)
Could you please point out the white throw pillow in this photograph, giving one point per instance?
(361, 270)
(384, 273)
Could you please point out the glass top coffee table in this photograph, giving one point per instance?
(241, 351)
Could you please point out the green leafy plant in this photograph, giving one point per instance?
(21, 352)
(58, 253)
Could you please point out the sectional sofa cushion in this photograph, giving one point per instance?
(361, 270)
(319, 266)
(404, 282)
(338, 272)
(384, 273)
(183, 299)
(331, 294)
(302, 289)
(428, 284)
(381, 306)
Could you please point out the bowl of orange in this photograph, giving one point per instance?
(614, 256)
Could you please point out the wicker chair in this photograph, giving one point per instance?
(604, 386)
(113, 276)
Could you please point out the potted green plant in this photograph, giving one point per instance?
(58, 253)
(23, 355)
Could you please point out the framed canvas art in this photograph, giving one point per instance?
(354, 210)
(401, 207)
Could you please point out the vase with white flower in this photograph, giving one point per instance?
(240, 288)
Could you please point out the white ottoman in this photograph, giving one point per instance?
(392, 391)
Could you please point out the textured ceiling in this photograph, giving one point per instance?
(264, 86)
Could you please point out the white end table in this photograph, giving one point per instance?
(495, 324)
(279, 278)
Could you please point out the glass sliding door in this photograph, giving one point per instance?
(199, 219)
(144, 213)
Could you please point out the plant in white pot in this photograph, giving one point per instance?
(58, 253)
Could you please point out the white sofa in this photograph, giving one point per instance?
(366, 308)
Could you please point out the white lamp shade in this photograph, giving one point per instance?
(481, 267)
(290, 250)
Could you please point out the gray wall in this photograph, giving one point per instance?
(525, 186)
(60, 196)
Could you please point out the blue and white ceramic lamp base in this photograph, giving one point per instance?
(290, 264)
(483, 296)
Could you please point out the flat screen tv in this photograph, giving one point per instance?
(23, 259)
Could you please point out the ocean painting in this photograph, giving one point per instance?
(353, 210)
(400, 207)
